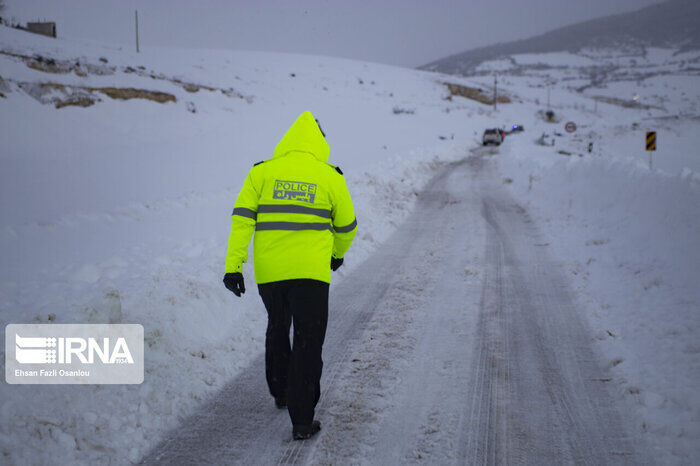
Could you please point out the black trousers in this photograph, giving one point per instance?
(294, 371)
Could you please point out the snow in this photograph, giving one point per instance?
(553, 59)
(119, 213)
(629, 236)
(495, 66)
(631, 246)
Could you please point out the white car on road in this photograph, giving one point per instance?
(493, 136)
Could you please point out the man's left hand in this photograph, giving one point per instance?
(336, 263)
(234, 283)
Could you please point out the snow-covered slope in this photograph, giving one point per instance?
(118, 210)
(630, 236)
(669, 25)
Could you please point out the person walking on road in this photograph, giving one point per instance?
(300, 210)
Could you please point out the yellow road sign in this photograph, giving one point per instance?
(651, 140)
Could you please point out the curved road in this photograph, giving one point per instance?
(458, 342)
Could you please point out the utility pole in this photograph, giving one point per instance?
(495, 91)
(136, 15)
(548, 91)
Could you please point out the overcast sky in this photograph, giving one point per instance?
(399, 32)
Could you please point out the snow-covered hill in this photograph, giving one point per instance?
(118, 172)
(668, 25)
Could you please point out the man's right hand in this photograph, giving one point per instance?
(234, 283)
(336, 263)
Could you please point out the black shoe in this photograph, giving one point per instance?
(281, 403)
(305, 432)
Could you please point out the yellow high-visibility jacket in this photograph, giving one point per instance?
(299, 207)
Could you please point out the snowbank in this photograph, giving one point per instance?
(630, 239)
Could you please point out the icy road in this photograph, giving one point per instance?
(458, 342)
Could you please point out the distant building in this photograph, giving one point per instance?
(46, 29)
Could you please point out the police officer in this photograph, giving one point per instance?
(300, 209)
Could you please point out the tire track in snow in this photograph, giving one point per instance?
(488, 442)
(534, 399)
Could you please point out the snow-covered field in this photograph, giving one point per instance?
(119, 212)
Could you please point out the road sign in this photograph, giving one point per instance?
(651, 144)
(651, 140)
(570, 127)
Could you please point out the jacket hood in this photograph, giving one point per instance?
(304, 136)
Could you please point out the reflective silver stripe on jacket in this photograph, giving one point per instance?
(292, 226)
(292, 209)
(243, 212)
(346, 229)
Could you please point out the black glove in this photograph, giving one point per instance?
(234, 283)
(336, 263)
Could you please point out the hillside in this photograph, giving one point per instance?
(672, 24)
